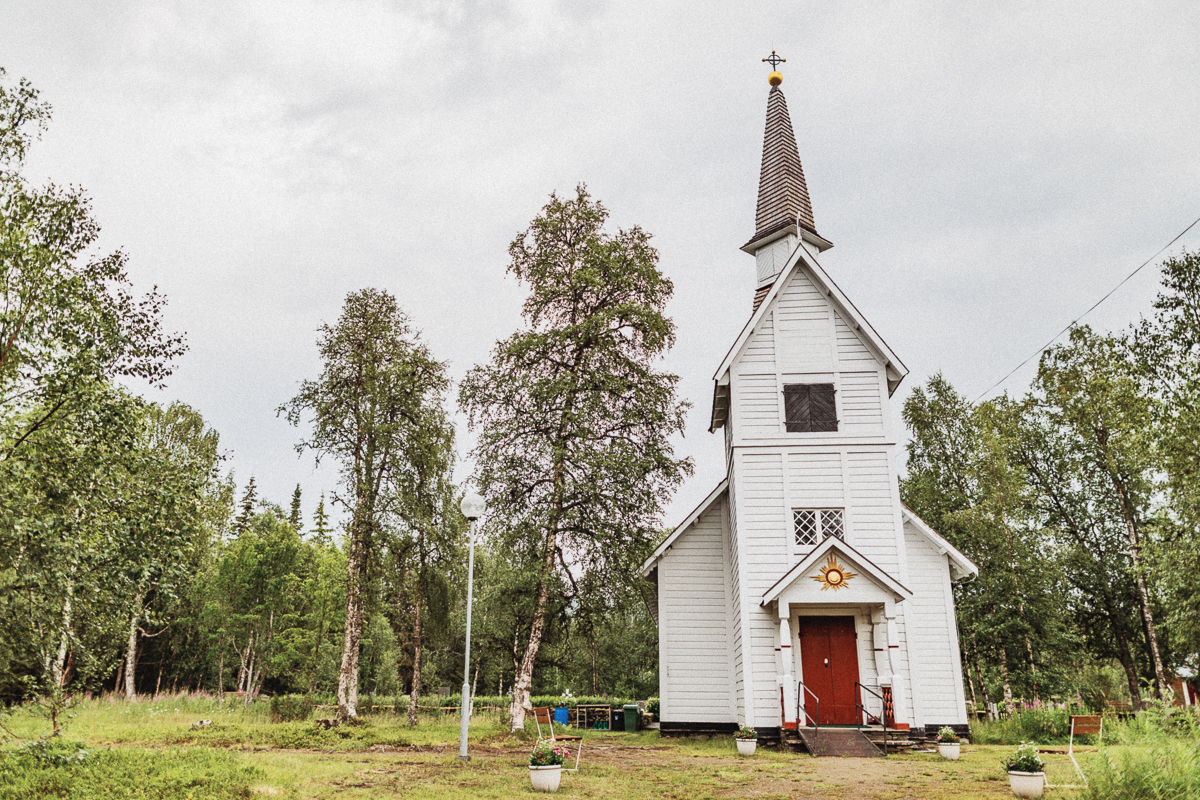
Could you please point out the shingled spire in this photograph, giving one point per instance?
(784, 207)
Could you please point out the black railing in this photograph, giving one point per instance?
(816, 715)
(862, 710)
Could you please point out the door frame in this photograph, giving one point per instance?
(862, 628)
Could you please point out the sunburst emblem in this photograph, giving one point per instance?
(833, 575)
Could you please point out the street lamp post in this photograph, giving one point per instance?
(472, 509)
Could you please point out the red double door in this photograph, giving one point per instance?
(829, 660)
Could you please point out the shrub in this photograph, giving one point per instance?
(291, 708)
(652, 706)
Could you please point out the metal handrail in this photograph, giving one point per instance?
(862, 710)
(816, 720)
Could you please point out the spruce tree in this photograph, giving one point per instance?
(294, 517)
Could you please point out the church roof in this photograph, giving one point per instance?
(783, 200)
(960, 566)
(716, 494)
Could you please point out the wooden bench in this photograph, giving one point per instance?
(1119, 708)
(544, 715)
(1082, 726)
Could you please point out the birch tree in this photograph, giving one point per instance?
(377, 381)
(574, 421)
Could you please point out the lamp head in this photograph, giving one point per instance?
(472, 506)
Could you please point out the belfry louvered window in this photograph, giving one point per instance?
(809, 407)
(812, 525)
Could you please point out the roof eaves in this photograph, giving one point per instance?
(649, 563)
(965, 565)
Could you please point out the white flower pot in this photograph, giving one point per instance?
(1027, 784)
(949, 751)
(746, 746)
(546, 779)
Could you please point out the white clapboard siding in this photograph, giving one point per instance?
(694, 604)
(815, 479)
(758, 357)
(862, 401)
(853, 353)
(930, 630)
(872, 524)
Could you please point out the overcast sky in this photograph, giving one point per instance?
(986, 171)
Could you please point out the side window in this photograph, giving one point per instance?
(813, 525)
(809, 407)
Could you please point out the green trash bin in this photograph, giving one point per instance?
(631, 718)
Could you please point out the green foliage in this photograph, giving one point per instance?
(574, 422)
(291, 708)
(652, 706)
(159, 774)
(379, 394)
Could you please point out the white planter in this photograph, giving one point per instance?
(546, 779)
(746, 746)
(949, 751)
(1027, 784)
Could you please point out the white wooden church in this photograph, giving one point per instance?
(802, 591)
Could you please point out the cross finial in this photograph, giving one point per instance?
(774, 60)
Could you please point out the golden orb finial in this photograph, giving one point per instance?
(775, 78)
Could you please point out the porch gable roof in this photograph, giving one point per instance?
(819, 553)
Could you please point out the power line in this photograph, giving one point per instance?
(1041, 349)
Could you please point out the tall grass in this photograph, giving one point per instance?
(1039, 725)
(1167, 771)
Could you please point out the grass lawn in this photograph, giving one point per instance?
(147, 750)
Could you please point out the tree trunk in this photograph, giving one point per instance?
(523, 680)
(131, 653)
(120, 676)
(221, 670)
(415, 697)
(1032, 663)
(1163, 686)
(966, 664)
(58, 668)
(983, 691)
(1008, 693)
(347, 693)
(1126, 658)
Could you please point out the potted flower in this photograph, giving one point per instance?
(1026, 772)
(545, 766)
(747, 740)
(948, 743)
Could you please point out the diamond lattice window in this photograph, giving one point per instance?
(811, 525)
(806, 527)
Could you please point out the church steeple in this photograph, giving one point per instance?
(784, 207)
